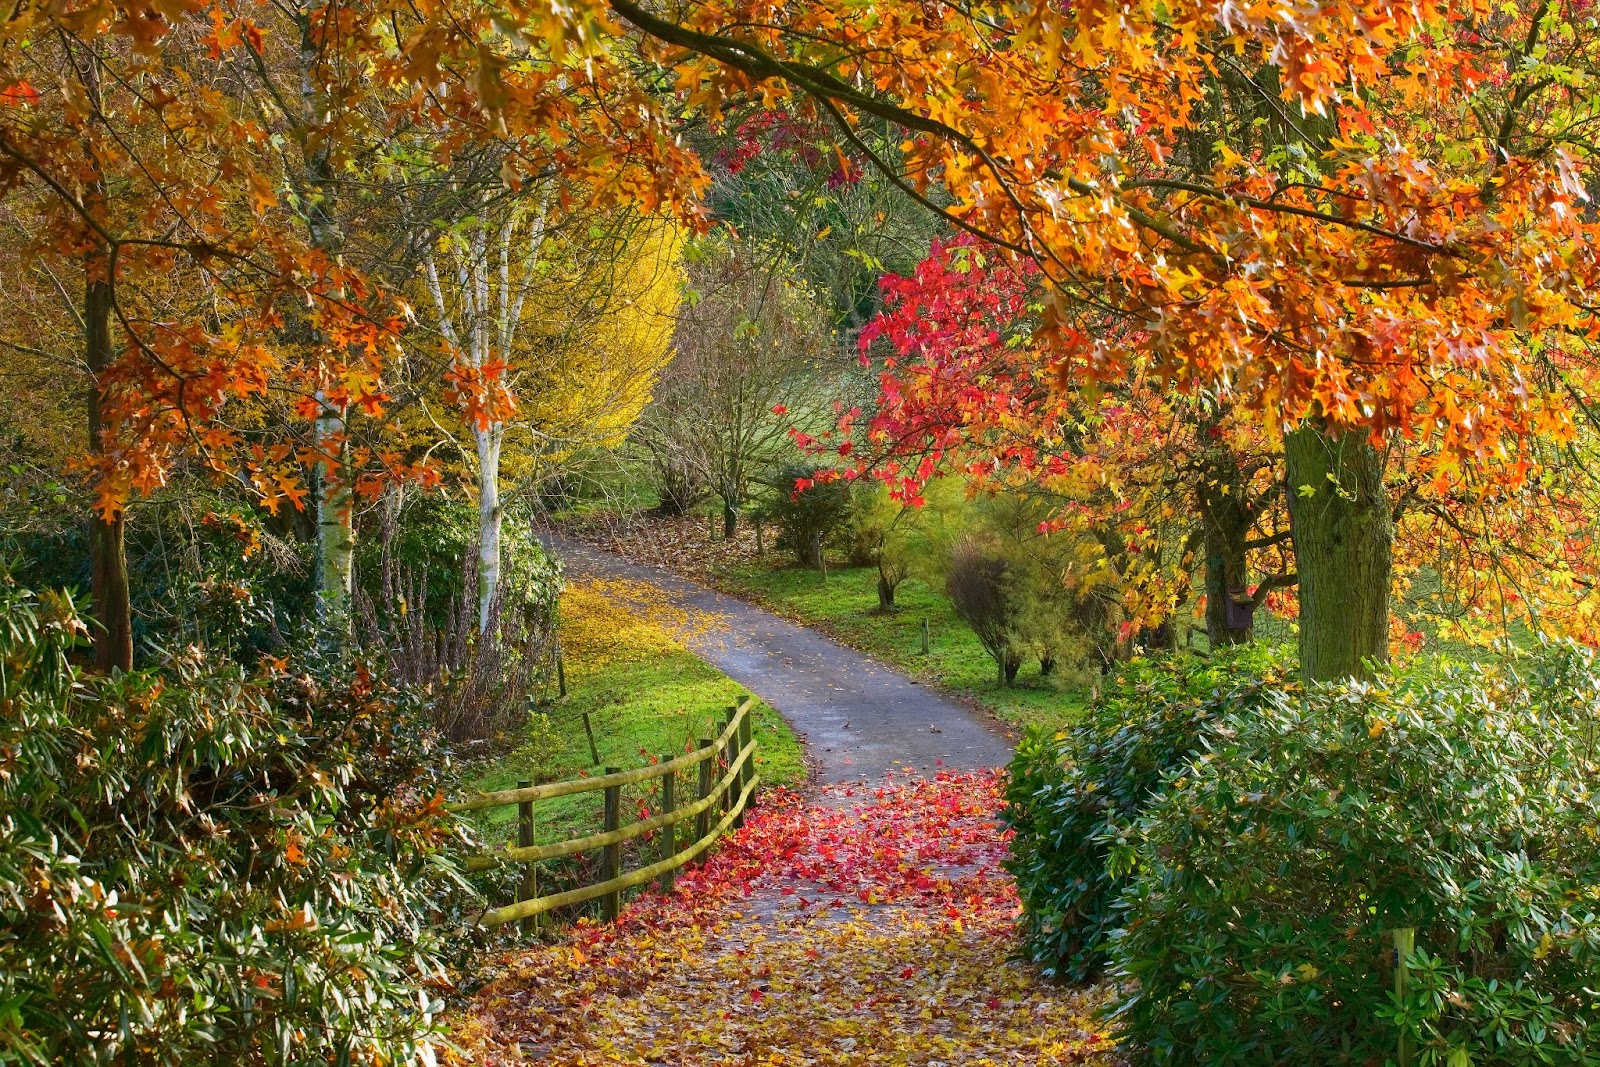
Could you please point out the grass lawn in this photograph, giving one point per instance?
(845, 606)
(645, 696)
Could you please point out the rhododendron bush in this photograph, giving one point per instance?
(207, 863)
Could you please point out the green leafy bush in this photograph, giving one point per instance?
(1264, 883)
(1072, 795)
(200, 865)
(810, 519)
(425, 552)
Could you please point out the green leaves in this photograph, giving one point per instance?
(201, 864)
(1073, 799)
(1269, 873)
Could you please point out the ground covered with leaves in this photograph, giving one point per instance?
(837, 928)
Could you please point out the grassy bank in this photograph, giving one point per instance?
(645, 696)
(845, 605)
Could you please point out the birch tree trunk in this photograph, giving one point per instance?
(336, 531)
(334, 499)
(490, 518)
(492, 282)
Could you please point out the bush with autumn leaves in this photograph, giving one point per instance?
(1238, 852)
(202, 864)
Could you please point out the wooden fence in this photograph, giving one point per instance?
(734, 749)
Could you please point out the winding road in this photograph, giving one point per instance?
(859, 718)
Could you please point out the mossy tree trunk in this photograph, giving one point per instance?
(1343, 530)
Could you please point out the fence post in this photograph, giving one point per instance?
(730, 754)
(747, 732)
(611, 861)
(669, 834)
(924, 637)
(1405, 942)
(530, 871)
(702, 822)
(588, 731)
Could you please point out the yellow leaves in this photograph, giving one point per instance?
(612, 620)
(777, 968)
(592, 359)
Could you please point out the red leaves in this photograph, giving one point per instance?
(771, 949)
(19, 94)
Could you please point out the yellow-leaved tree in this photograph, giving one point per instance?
(556, 329)
(599, 335)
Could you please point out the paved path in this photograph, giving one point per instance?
(860, 719)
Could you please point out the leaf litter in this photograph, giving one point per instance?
(840, 927)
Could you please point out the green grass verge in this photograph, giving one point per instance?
(845, 606)
(637, 708)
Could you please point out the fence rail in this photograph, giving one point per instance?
(735, 747)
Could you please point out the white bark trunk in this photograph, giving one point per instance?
(490, 517)
(484, 324)
(336, 533)
(335, 501)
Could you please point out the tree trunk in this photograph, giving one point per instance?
(1226, 579)
(336, 529)
(1222, 495)
(730, 517)
(335, 497)
(1343, 532)
(490, 517)
(885, 593)
(108, 560)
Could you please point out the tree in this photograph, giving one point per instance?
(1380, 265)
(574, 328)
(193, 155)
(749, 345)
(779, 181)
(1157, 481)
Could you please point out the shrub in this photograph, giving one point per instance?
(1266, 880)
(810, 519)
(202, 865)
(478, 683)
(975, 581)
(1073, 795)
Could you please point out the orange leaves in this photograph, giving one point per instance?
(1357, 275)
(872, 927)
(228, 33)
(19, 94)
(238, 308)
(481, 394)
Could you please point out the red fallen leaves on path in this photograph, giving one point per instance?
(836, 929)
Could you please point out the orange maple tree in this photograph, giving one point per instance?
(1363, 222)
(188, 157)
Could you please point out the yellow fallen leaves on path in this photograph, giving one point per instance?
(607, 620)
(833, 931)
